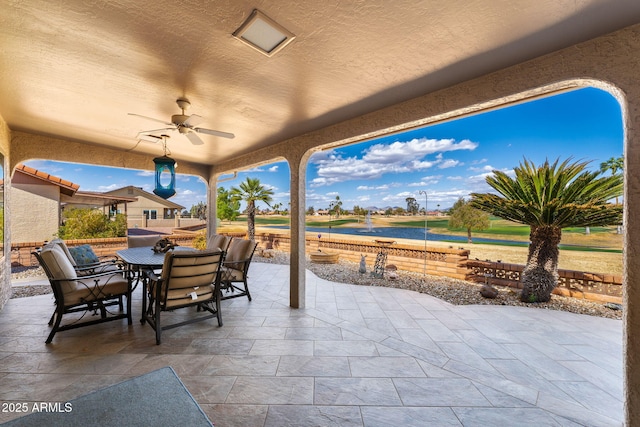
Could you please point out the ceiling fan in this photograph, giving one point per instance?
(184, 124)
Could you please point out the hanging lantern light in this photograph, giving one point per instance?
(165, 173)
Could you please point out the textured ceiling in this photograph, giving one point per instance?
(75, 68)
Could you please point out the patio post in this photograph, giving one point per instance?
(297, 273)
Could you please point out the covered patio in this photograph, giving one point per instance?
(73, 70)
(355, 356)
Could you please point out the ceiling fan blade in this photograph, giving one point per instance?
(195, 139)
(151, 118)
(193, 120)
(215, 132)
(158, 130)
(149, 138)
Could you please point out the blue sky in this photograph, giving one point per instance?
(449, 160)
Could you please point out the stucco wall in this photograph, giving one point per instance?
(35, 211)
(5, 262)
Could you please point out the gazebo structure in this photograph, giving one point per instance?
(328, 74)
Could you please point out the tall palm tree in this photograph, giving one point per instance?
(614, 164)
(251, 191)
(549, 198)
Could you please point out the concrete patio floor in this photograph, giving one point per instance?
(355, 356)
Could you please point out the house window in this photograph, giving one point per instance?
(145, 213)
(154, 214)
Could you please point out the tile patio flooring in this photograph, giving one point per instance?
(356, 356)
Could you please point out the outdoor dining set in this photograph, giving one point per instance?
(170, 278)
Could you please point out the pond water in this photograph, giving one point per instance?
(398, 233)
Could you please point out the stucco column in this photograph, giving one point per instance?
(212, 211)
(631, 324)
(297, 274)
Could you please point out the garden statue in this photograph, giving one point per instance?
(363, 265)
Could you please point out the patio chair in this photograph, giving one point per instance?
(236, 267)
(84, 259)
(219, 241)
(88, 293)
(142, 241)
(188, 279)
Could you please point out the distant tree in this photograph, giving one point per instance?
(335, 208)
(276, 208)
(398, 211)
(311, 211)
(548, 198)
(412, 205)
(91, 224)
(615, 165)
(388, 212)
(251, 191)
(199, 211)
(227, 209)
(463, 215)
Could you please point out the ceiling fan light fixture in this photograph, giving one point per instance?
(263, 34)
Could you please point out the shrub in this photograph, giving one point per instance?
(91, 223)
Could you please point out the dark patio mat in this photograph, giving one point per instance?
(155, 399)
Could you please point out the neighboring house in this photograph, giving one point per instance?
(110, 204)
(35, 204)
(149, 209)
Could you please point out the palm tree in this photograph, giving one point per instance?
(614, 164)
(251, 191)
(549, 198)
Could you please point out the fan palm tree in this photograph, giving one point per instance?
(251, 191)
(549, 198)
(614, 164)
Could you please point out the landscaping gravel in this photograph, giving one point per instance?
(454, 291)
(458, 292)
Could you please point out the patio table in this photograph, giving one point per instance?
(139, 259)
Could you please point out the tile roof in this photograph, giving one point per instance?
(67, 187)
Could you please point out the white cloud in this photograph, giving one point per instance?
(426, 181)
(486, 168)
(273, 168)
(455, 178)
(369, 187)
(105, 188)
(381, 159)
(449, 163)
(145, 173)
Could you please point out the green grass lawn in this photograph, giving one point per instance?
(499, 228)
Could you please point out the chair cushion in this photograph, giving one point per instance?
(107, 286)
(58, 241)
(59, 266)
(178, 297)
(187, 272)
(83, 255)
(231, 275)
(142, 241)
(220, 242)
(239, 251)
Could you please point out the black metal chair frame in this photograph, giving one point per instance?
(99, 303)
(227, 282)
(157, 303)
